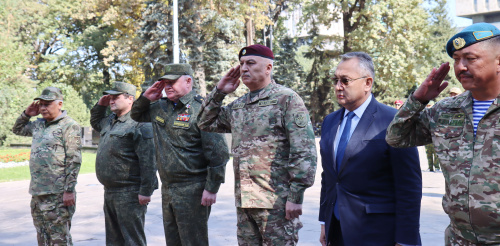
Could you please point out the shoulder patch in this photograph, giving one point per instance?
(301, 119)
(199, 98)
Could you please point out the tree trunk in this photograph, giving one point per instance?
(250, 31)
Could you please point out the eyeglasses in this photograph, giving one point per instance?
(344, 81)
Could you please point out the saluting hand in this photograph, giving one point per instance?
(230, 81)
(104, 100)
(433, 85)
(154, 92)
(33, 109)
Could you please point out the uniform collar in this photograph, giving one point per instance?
(186, 99)
(63, 114)
(262, 94)
(124, 117)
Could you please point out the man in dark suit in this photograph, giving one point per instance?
(370, 192)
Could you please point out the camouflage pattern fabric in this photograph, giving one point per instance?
(124, 218)
(52, 219)
(184, 218)
(125, 165)
(470, 164)
(273, 144)
(432, 159)
(266, 227)
(125, 159)
(184, 155)
(55, 153)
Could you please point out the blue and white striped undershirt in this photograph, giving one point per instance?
(479, 109)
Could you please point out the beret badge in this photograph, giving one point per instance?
(458, 43)
(244, 52)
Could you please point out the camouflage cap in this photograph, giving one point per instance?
(456, 90)
(120, 88)
(50, 94)
(174, 71)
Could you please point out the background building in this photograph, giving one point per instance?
(479, 10)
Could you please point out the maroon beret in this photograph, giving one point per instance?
(257, 50)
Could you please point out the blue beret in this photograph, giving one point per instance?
(470, 35)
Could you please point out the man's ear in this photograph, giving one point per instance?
(368, 84)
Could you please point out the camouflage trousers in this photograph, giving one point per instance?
(266, 227)
(184, 218)
(452, 239)
(52, 219)
(124, 218)
(432, 159)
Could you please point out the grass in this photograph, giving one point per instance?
(23, 172)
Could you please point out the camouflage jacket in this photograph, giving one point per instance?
(55, 153)
(470, 164)
(273, 144)
(125, 158)
(183, 152)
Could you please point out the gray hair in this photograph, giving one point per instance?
(495, 41)
(365, 62)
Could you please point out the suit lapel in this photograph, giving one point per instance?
(358, 135)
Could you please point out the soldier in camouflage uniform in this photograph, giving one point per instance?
(469, 154)
(191, 163)
(273, 148)
(54, 165)
(125, 165)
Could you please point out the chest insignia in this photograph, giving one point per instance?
(183, 117)
(264, 103)
(160, 119)
(238, 106)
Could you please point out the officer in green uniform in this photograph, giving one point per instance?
(273, 147)
(465, 131)
(125, 165)
(191, 163)
(54, 165)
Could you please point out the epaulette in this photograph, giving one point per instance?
(199, 98)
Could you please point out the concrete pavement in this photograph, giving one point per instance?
(16, 226)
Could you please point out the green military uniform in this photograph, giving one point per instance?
(432, 159)
(274, 157)
(125, 165)
(54, 165)
(189, 161)
(469, 163)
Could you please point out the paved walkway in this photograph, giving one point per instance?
(16, 226)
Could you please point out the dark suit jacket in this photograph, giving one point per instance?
(378, 188)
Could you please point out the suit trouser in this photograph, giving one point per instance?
(185, 220)
(52, 219)
(335, 237)
(124, 218)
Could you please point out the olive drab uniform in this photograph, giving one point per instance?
(189, 162)
(125, 165)
(54, 165)
(274, 155)
(470, 164)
